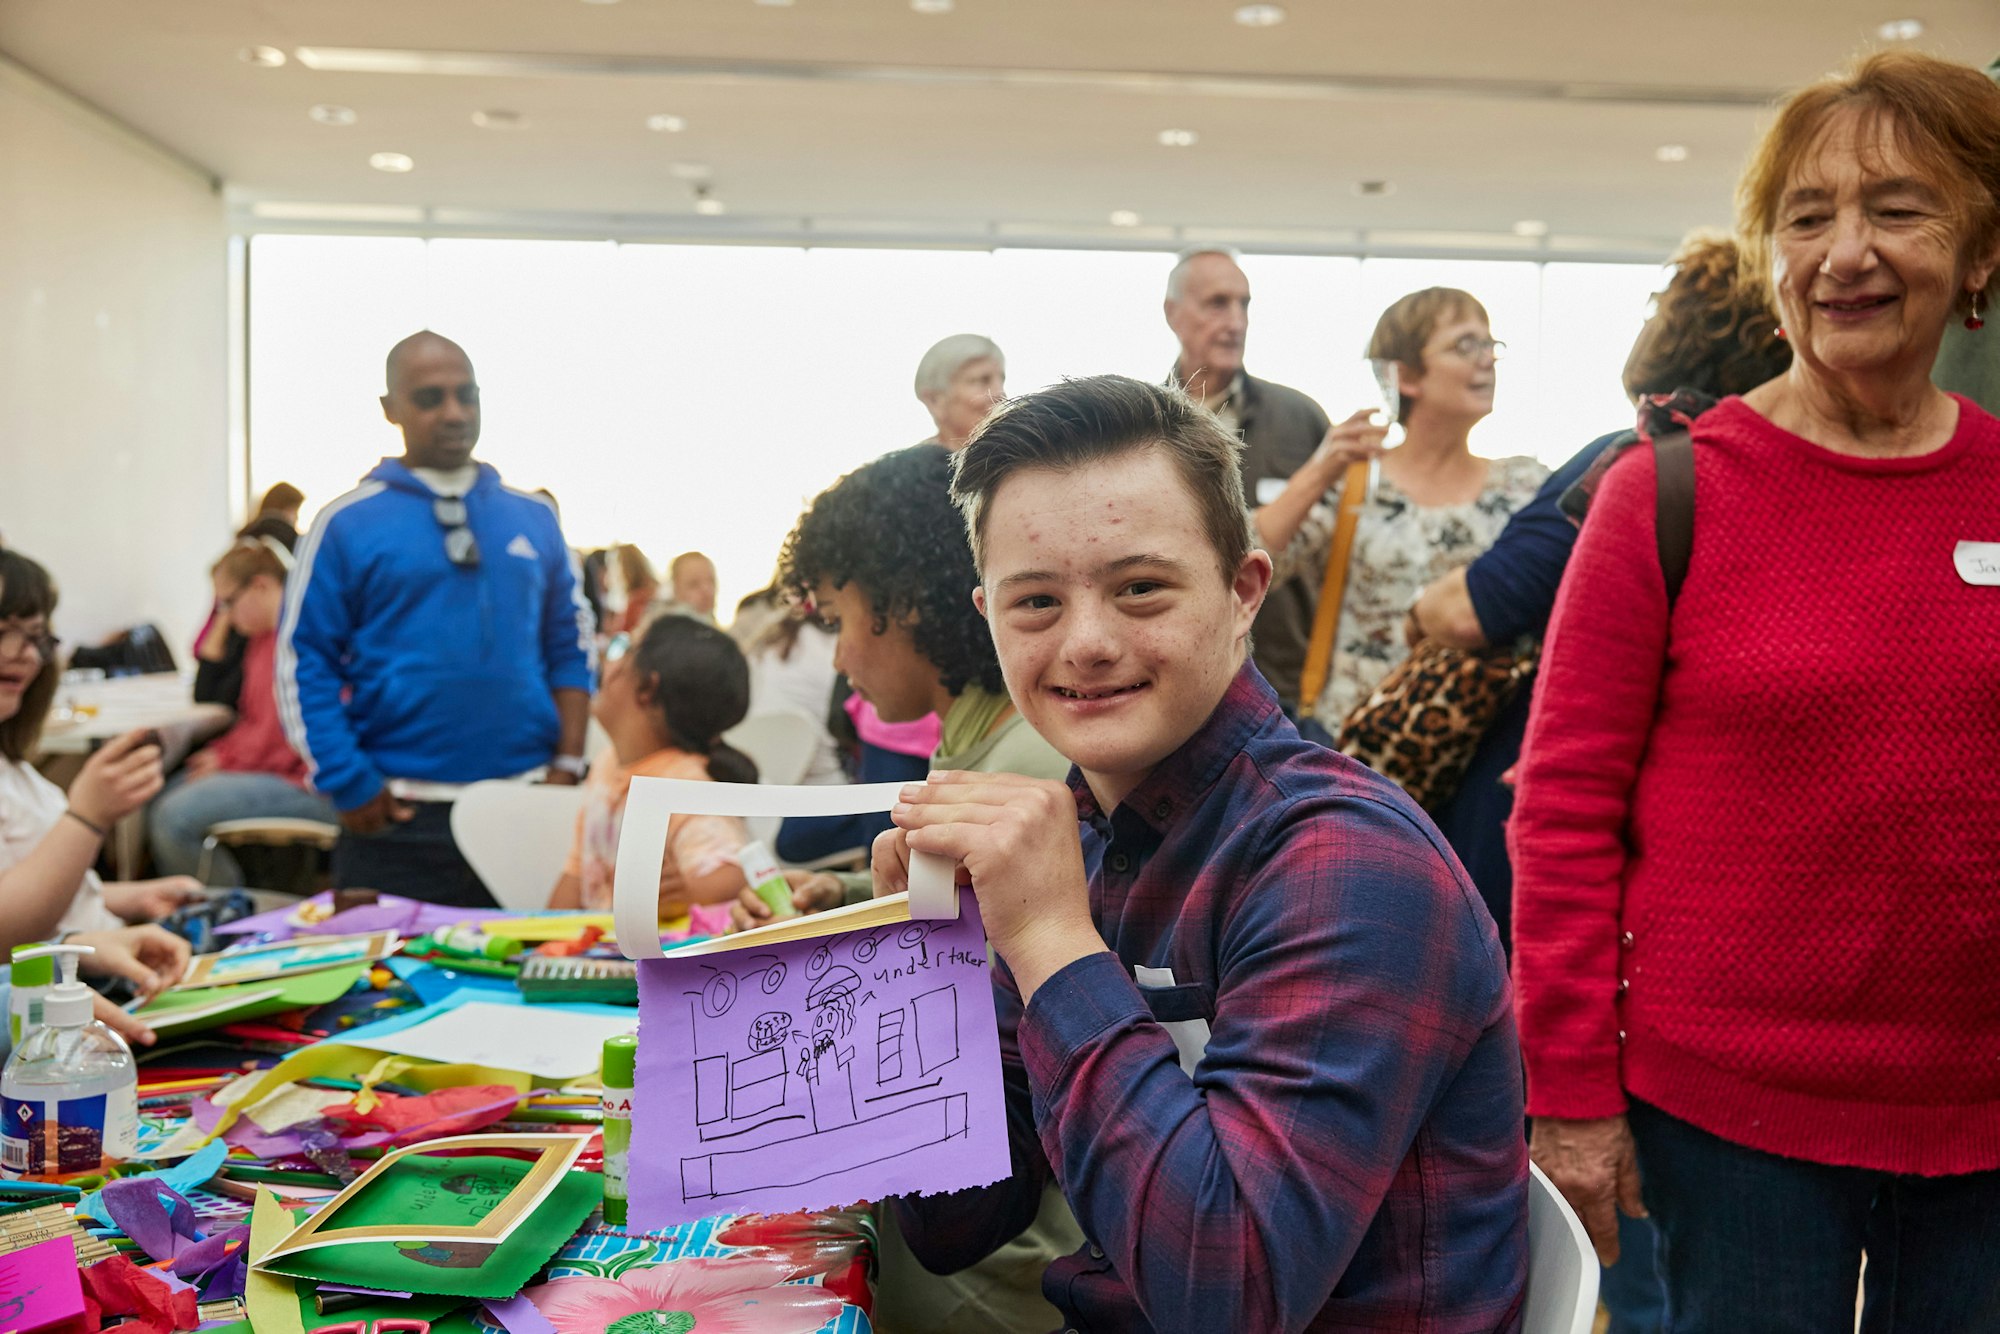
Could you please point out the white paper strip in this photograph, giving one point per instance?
(652, 803)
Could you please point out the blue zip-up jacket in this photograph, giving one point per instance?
(395, 663)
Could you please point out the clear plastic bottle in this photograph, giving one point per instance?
(69, 1097)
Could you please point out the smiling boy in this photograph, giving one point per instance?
(1261, 1034)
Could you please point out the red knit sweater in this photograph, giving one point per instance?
(1757, 849)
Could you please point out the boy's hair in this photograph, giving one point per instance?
(1080, 422)
(890, 528)
(700, 686)
(27, 591)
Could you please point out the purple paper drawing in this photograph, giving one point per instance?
(817, 1073)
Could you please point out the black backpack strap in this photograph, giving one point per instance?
(1673, 513)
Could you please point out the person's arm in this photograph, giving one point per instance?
(573, 716)
(1510, 589)
(1444, 612)
(1594, 712)
(569, 649)
(35, 892)
(1279, 522)
(218, 666)
(1319, 1072)
(313, 639)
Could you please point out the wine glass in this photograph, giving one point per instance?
(1389, 391)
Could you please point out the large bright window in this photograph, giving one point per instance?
(696, 397)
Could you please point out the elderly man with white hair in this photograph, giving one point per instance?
(959, 380)
(1208, 308)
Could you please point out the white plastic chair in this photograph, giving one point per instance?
(781, 744)
(517, 837)
(1562, 1264)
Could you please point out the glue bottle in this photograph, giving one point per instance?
(69, 1096)
(621, 1053)
(28, 985)
(760, 868)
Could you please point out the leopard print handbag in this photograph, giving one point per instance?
(1425, 719)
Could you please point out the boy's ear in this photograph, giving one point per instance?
(979, 598)
(1251, 584)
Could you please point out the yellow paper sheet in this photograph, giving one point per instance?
(339, 1061)
(289, 1104)
(270, 1300)
(534, 930)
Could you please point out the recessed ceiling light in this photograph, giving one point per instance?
(600, 2)
(1124, 217)
(1531, 227)
(933, 6)
(1178, 138)
(1901, 30)
(1671, 153)
(326, 113)
(499, 120)
(666, 124)
(392, 162)
(690, 171)
(707, 207)
(1366, 188)
(1260, 16)
(269, 57)
(776, 4)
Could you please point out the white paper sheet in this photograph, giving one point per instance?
(544, 1040)
(652, 802)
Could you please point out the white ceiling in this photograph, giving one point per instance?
(1027, 121)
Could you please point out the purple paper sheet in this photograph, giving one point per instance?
(817, 1073)
(406, 917)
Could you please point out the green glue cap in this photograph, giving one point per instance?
(620, 1057)
(34, 971)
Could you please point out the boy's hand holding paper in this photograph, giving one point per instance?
(1015, 840)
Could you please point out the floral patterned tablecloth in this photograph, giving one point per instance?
(780, 1274)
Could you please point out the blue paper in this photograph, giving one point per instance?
(197, 1169)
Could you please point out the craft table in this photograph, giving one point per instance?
(804, 1273)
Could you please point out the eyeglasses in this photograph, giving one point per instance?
(461, 548)
(1474, 348)
(14, 639)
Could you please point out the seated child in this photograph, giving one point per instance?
(49, 841)
(665, 704)
(250, 771)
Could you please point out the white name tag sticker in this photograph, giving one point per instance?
(1190, 1035)
(1269, 489)
(1978, 563)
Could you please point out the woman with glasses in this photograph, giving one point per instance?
(49, 840)
(250, 771)
(1437, 506)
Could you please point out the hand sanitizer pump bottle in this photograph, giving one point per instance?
(69, 1097)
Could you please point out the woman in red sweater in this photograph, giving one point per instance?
(1757, 840)
(250, 771)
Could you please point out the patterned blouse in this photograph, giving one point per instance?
(1399, 547)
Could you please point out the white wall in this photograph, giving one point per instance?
(113, 365)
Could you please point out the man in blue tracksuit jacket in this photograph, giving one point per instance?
(434, 635)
